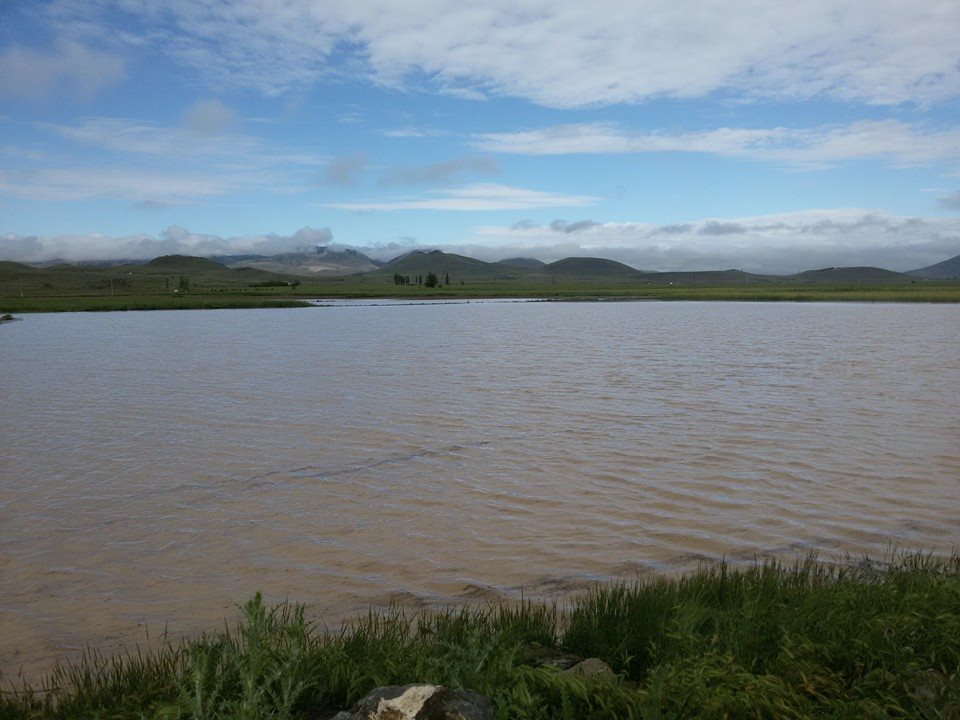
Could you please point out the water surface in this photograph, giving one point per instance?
(159, 468)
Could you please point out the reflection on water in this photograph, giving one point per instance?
(159, 468)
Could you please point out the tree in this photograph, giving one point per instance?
(431, 280)
(446, 279)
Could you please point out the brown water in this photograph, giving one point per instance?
(159, 468)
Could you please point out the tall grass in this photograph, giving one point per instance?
(865, 640)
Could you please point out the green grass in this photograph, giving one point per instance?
(203, 284)
(926, 292)
(156, 302)
(769, 641)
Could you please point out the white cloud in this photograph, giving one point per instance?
(344, 171)
(784, 243)
(414, 132)
(33, 75)
(478, 197)
(893, 140)
(440, 172)
(152, 165)
(173, 240)
(566, 53)
(950, 202)
(135, 185)
(123, 135)
(209, 117)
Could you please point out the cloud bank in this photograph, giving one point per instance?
(817, 147)
(561, 54)
(473, 198)
(28, 74)
(153, 165)
(778, 244)
(174, 240)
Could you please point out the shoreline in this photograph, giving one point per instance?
(768, 639)
(945, 295)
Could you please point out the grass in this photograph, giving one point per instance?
(923, 292)
(197, 283)
(267, 296)
(769, 641)
(103, 303)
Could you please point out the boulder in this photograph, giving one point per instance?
(420, 702)
(591, 667)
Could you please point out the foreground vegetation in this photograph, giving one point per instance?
(769, 641)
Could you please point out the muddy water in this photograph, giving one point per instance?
(159, 468)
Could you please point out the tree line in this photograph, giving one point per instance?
(431, 279)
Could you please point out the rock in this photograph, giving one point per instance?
(537, 655)
(591, 667)
(420, 702)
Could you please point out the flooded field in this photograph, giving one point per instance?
(159, 468)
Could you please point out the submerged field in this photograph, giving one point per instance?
(877, 640)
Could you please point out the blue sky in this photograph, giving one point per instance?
(668, 134)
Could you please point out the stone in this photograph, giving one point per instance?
(591, 667)
(420, 702)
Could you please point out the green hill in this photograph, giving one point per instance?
(322, 262)
(942, 270)
(160, 276)
(458, 267)
(8, 268)
(705, 277)
(522, 262)
(183, 264)
(870, 275)
(590, 267)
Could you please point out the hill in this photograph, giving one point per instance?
(870, 275)
(705, 277)
(163, 275)
(522, 262)
(458, 267)
(590, 267)
(942, 270)
(8, 267)
(323, 262)
(183, 264)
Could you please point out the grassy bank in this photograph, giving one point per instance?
(947, 292)
(863, 641)
(105, 303)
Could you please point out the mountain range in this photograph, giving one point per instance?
(326, 262)
(460, 267)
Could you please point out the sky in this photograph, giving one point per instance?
(667, 134)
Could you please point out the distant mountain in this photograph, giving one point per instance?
(942, 270)
(589, 267)
(15, 272)
(458, 267)
(522, 262)
(322, 262)
(231, 259)
(871, 275)
(183, 264)
(708, 277)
